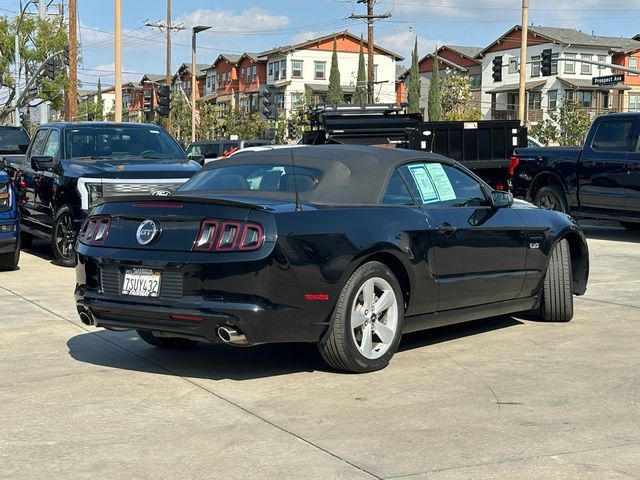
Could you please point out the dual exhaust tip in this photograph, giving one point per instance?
(226, 333)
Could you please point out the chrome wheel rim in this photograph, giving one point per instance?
(374, 318)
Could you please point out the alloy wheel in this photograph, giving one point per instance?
(65, 236)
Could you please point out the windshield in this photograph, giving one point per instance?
(121, 141)
(265, 177)
(13, 140)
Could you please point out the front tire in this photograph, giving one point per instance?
(557, 295)
(367, 322)
(173, 343)
(9, 261)
(63, 237)
(552, 198)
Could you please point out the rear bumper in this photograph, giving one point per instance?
(260, 323)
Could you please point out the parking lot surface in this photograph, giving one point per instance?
(506, 397)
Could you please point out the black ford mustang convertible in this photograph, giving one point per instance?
(343, 246)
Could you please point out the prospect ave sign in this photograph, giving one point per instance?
(608, 80)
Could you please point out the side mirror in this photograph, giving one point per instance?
(197, 158)
(42, 163)
(2, 164)
(500, 199)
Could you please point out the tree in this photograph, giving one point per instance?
(38, 39)
(413, 94)
(567, 125)
(361, 83)
(456, 98)
(180, 115)
(434, 90)
(334, 94)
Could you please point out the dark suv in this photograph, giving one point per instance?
(70, 166)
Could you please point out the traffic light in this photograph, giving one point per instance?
(545, 62)
(164, 101)
(497, 69)
(50, 68)
(269, 110)
(291, 129)
(25, 120)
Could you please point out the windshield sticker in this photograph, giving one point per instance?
(425, 185)
(441, 181)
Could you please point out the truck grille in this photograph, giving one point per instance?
(170, 285)
(120, 189)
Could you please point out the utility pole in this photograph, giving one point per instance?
(118, 60)
(522, 92)
(72, 95)
(370, 18)
(17, 60)
(44, 106)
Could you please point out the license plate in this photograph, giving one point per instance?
(141, 282)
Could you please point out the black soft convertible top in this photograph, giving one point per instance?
(352, 174)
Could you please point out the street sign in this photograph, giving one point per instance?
(608, 79)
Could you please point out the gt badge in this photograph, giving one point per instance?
(147, 232)
(534, 245)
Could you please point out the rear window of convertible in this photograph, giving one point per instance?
(263, 177)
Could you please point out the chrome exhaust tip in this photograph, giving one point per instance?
(232, 336)
(86, 318)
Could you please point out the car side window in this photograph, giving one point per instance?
(613, 136)
(52, 147)
(37, 146)
(397, 192)
(439, 185)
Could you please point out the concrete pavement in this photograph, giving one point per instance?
(500, 398)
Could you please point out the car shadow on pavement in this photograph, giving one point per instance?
(125, 350)
(605, 230)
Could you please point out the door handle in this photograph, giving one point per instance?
(446, 229)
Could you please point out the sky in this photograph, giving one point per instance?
(253, 26)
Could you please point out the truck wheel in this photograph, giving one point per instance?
(634, 227)
(557, 297)
(63, 237)
(9, 261)
(552, 198)
(165, 342)
(367, 321)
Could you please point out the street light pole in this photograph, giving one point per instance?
(194, 78)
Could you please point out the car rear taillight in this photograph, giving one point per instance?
(514, 163)
(95, 230)
(225, 236)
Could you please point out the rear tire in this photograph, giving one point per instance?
(557, 295)
(631, 226)
(367, 321)
(552, 198)
(9, 261)
(173, 343)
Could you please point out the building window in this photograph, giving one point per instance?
(296, 99)
(633, 63)
(605, 99)
(253, 99)
(248, 77)
(219, 79)
(535, 100)
(552, 96)
(319, 70)
(242, 72)
(283, 69)
(276, 70)
(280, 100)
(535, 66)
(254, 73)
(554, 63)
(570, 95)
(586, 99)
(602, 59)
(271, 68)
(296, 68)
(634, 102)
(569, 65)
(585, 68)
(513, 65)
(475, 81)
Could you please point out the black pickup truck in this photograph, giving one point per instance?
(600, 180)
(70, 166)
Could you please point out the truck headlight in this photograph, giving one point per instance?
(5, 196)
(95, 192)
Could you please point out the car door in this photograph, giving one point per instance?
(30, 212)
(47, 180)
(603, 166)
(478, 251)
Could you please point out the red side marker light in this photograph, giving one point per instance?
(186, 318)
(316, 296)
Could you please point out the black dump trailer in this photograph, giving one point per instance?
(485, 146)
